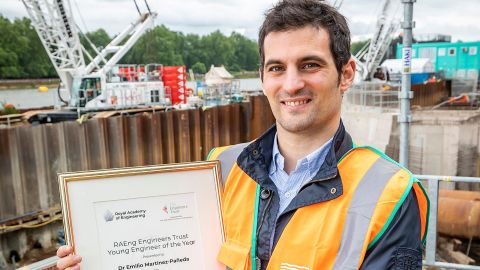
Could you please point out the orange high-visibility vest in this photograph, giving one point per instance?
(332, 234)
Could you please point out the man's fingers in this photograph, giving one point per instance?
(76, 267)
(69, 263)
(64, 251)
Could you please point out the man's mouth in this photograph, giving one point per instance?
(296, 102)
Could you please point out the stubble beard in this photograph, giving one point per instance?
(297, 124)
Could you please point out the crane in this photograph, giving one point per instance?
(59, 34)
(370, 56)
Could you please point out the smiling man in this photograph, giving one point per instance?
(301, 196)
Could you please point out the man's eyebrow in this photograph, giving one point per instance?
(303, 59)
(273, 62)
(313, 58)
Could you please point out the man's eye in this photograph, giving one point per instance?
(310, 65)
(275, 69)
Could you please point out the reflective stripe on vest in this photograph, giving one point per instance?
(374, 189)
(361, 208)
(227, 158)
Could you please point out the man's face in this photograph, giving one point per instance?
(300, 79)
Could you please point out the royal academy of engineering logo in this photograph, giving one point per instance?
(108, 216)
(124, 215)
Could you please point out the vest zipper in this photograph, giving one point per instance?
(262, 217)
(259, 263)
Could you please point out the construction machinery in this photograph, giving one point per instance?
(369, 57)
(100, 84)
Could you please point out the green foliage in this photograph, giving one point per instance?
(22, 54)
(161, 45)
(199, 68)
(7, 108)
(99, 39)
(357, 46)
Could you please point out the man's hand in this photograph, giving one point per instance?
(67, 260)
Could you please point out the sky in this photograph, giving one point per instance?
(456, 18)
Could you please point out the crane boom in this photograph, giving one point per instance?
(52, 20)
(370, 56)
(133, 32)
(56, 28)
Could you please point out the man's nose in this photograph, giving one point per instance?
(293, 81)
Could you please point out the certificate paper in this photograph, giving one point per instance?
(145, 218)
(176, 242)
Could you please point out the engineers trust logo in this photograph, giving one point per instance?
(176, 209)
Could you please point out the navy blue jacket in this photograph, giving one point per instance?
(399, 247)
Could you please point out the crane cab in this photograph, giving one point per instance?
(86, 89)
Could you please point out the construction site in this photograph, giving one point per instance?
(421, 108)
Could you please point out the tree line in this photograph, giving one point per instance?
(22, 55)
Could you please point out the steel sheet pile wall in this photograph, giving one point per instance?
(430, 94)
(31, 156)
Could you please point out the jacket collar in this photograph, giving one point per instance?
(255, 159)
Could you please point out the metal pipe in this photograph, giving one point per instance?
(432, 224)
(458, 217)
(406, 94)
(460, 194)
(453, 266)
(448, 178)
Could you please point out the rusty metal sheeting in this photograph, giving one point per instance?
(260, 117)
(430, 94)
(210, 130)
(9, 206)
(181, 136)
(459, 213)
(460, 194)
(116, 145)
(168, 137)
(195, 135)
(31, 156)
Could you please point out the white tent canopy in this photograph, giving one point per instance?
(419, 65)
(218, 75)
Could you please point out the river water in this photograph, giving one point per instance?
(32, 98)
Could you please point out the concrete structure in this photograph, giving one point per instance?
(442, 142)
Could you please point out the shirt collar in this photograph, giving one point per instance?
(314, 160)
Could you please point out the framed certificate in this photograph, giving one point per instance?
(155, 217)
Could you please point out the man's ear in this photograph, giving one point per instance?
(348, 75)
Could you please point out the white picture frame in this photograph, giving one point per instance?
(153, 217)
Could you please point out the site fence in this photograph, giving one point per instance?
(381, 96)
(433, 190)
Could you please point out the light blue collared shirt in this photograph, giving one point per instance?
(289, 185)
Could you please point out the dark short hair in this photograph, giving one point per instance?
(293, 14)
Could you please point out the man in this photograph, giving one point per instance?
(301, 196)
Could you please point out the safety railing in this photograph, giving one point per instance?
(433, 188)
(366, 96)
(47, 264)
